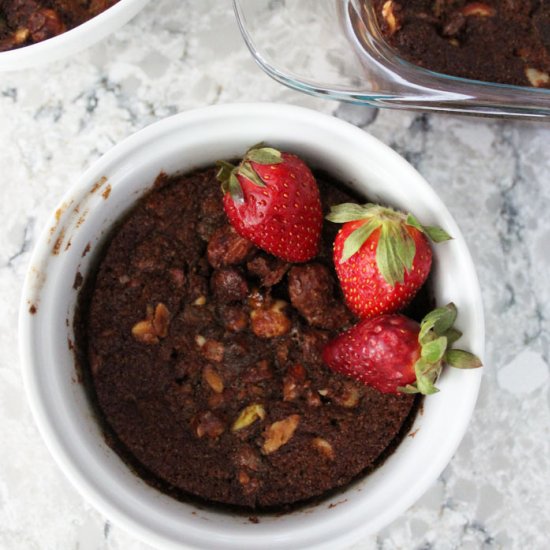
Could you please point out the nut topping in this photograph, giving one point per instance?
(478, 9)
(200, 340)
(207, 424)
(280, 433)
(248, 416)
(349, 397)
(154, 326)
(212, 350)
(324, 447)
(537, 78)
(270, 321)
(389, 16)
(248, 458)
(213, 379)
(200, 301)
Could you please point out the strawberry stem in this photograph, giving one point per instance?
(227, 173)
(436, 338)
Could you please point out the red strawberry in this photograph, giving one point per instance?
(272, 199)
(382, 257)
(393, 353)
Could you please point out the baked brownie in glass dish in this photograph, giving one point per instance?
(502, 41)
(202, 355)
(25, 22)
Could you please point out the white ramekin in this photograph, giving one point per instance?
(186, 142)
(72, 41)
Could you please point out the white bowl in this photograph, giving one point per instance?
(72, 41)
(63, 414)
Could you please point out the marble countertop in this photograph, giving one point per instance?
(493, 174)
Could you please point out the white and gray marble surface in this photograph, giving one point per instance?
(494, 175)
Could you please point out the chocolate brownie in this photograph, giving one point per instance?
(24, 22)
(504, 41)
(203, 356)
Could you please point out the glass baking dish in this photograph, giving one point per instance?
(334, 48)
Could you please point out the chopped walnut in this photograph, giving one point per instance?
(279, 433)
(244, 478)
(312, 398)
(477, 9)
(270, 321)
(248, 416)
(207, 424)
(247, 457)
(347, 396)
(248, 484)
(212, 350)
(213, 379)
(154, 326)
(324, 447)
(388, 13)
(537, 78)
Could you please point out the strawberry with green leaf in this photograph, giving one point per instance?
(271, 198)
(393, 353)
(382, 256)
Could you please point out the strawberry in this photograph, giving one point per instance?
(393, 353)
(272, 199)
(382, 257)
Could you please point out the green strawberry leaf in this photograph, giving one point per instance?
(405, 247)
(433, 351)
(436, 234)
(246, 170)
(413, 222)
(425, 377)
(357, 238)
(348, 212)
(440, 320)
(462, 359)
(394, 246)
(452, 336)
(264, 155)
(225, 169)
(409, 388)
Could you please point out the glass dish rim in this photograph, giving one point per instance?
(471, 96)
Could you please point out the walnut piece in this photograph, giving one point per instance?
(207, 424)
(537, 78)
(213, 379)
(248, 416)
(389, 16)
(212, 350)
(324, 447)
(478, 9)
(279, 433)
(270, 321)
(154, 326)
